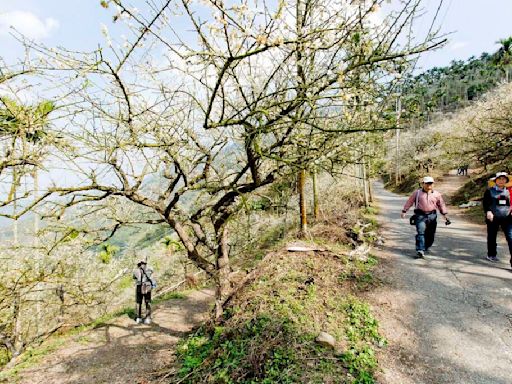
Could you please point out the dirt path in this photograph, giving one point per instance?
(122, 351)
(448, 318)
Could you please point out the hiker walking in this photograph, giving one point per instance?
(463, 170)
(144, 285)
(496, 204)
(427, 203)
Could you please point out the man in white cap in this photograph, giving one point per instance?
(427, 202)
(496, 204)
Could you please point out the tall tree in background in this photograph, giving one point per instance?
(503, 57)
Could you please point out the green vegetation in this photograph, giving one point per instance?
(362, 332)
(473, 189)
(454, 115)
(360, 273)
(270, 349)
(33, 355)
(247, 350)
(409, 182)
(107, 252)
(269, 330)
(4, 357)
(452, 87)
(170, 296)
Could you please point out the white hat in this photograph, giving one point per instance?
(428, 179)
(502, 174)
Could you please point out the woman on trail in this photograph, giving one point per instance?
(496, 204)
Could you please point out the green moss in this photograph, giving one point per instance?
(170, 296)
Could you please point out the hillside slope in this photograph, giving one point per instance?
(121, 351)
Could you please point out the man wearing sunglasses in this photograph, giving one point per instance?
(427, 202)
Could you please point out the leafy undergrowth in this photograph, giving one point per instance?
(269, 331)
(473, 189)
(408, 183)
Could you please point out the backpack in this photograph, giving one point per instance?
(146, 287)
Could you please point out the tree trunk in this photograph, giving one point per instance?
(316, 208)
(365, 184)
(17, 336)
(223, 286)
(301, 185)
(35, 177)
(370, 190)
(368, 176)
(15, 222)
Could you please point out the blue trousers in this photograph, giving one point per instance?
(426, 226)
(492, 232)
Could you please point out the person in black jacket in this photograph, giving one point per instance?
(496, 204)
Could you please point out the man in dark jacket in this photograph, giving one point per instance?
(496, 204)
(427, 202)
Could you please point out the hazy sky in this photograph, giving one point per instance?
(76, 24)
(476, 25)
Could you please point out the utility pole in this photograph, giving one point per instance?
(398, 113)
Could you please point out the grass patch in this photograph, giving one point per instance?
(269, 330)
(33, 355)
(359, 273)
(363, 336)
(170, 296)
(257, 352)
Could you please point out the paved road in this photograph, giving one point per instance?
(448, 317)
